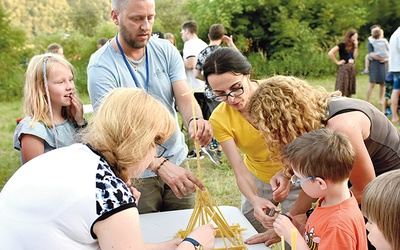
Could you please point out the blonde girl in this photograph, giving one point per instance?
(53, 111)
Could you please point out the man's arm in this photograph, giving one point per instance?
(188, 108)
(190, 63)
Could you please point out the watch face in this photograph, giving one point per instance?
(199, 247)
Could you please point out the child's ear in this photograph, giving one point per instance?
(321, 182)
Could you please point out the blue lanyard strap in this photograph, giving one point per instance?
(130, 67)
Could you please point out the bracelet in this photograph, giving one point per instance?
(191, 119)
(195, 243)
(81, 126)
(162, 163)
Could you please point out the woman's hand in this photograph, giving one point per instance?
(280, 185)
(261, 206)
(205, 235)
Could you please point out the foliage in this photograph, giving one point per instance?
(385, 13)
(12, 64)
(294, 35)
(279, 36)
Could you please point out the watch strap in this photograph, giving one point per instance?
(195, 243)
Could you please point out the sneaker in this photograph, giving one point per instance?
(192, 155)
(365, 71)
(388, 112)
(212, 155)
(219, 153)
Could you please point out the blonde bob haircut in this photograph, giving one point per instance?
(380, 204)
(284, 108)
(128, 123)
(35, 99)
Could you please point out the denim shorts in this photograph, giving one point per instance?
(396, 80)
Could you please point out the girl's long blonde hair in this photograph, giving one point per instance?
(128, 123)
(36, 102)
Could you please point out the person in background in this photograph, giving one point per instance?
(170, 37)
(80, 196)
(158, 34)
(135, 59)
(381, 206)
(348, 53)
(216, 35)
(394, 67)
(368, 57)
(191, 49)
(55, 48)
(53, 110)
(321, 161)
(303, 108)
(258, 175)
(101, 42)
(378, 48)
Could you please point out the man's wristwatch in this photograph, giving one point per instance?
(195, 243)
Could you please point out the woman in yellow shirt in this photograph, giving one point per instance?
(258, 175)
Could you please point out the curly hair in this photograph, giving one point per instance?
(128, 123)
(285, 107)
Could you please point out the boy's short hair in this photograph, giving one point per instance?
(322, 153)
(380, 204)
(376, 33)
(216, 32)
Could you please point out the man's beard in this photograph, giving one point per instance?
(129, 41)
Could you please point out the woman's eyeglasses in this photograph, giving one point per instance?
(160, 150)
(296, 181)
(234, 93)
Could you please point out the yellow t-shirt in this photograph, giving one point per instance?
(228, 123)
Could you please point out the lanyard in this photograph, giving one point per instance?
(130, 67)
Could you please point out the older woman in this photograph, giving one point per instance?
(79, 197)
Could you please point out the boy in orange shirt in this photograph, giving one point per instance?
(321, 161)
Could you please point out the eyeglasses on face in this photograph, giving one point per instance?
(296, 181)
(160, 150)
(234, 93)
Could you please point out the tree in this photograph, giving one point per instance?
(12, 60)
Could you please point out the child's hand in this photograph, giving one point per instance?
(283, 226)
(77, 109)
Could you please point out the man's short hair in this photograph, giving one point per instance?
(216, 32)
(191, 26)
